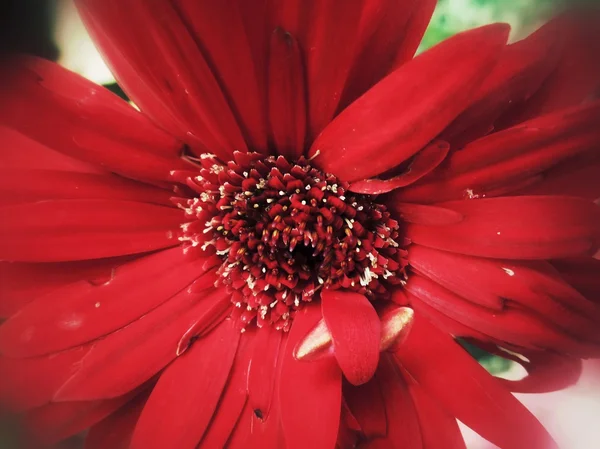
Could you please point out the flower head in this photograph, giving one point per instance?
(280, 249)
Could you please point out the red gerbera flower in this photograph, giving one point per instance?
(240, 264)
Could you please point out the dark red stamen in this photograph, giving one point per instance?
(285, 230)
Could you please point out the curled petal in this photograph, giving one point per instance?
(423, 163)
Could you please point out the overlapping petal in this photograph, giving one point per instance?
(95, 125)
(406, 110)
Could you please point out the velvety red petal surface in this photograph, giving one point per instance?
(160, 66)
(527, 227)
(82, 311)
(356, 333)
(467, 391)
(96, 125)
(373, 135)
(141, 349)
(116, 430)
(188, 392)
(309, 392)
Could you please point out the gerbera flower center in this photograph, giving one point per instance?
(284, 230)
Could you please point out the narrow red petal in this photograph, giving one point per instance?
(423, 163)
(368, 407)
(520, 72)
(438, 427)
(17, 288)
(287, 95)
(252, 432)
(82, 311)
(579, 180)
(115, 431)
(547, 371)
(53, 422)
(528, 227)
(581, 273)
(28, 154)
(356, 333)
(383, 26)
(310, 393)
(513, 325)
(503, 161)
(467, 391)
(426, 214)
(493, 283)
(141, 349)
(372, 135)
(413, 34)
(264, 369)
(32, 382)
(444, 322)
(233, 399)
(85, 229)
(219, 30)
(576, 78)
(39, 185)
(96, 126)
(326, 31)
(402, 420)
(156, 60)
(188, 392)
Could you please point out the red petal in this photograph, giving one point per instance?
(426, 215)
(85, 229)
(263, 371)
(546, 372)
(403, 422)
(521, 70)
(115, 431)
(491, 283)
(188, 392)
(56, 421)
(467, 391)
(21, 283)
(528, 227)
(438, 427)
(38, 185)
(95, 125)
(219, 30)
(326, 31)
(368, 407)
(310, 393)
(576, 78)
(163, 71)
(233, 399)
(252, 432)
(503, 161)
(371, 136)
(413, 34)
(30, 383)
(287, 95)
(423, 163)
(383, 29)
(356, 333)
(25, 153)
(82, 312)
(445, 323)
(515, 326)
(579, 180)
(583, 274)
(141, 349)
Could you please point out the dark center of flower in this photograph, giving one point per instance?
(286, 230)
